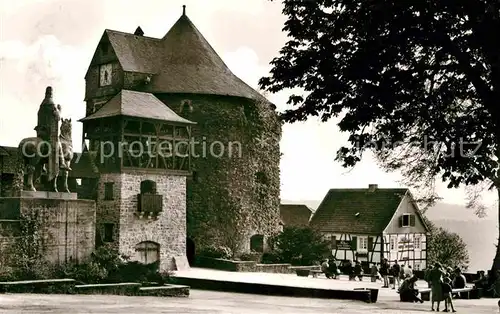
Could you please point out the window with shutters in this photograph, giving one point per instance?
(407, 220)
(362, 243)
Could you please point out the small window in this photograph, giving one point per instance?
(79, 182)
(417, 242)
(405, 221)
(393, 243)
(108, 191)
(105, 48)
(108, 232)
(363, 243)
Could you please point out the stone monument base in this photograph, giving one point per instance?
(66, 223)
(49, 195)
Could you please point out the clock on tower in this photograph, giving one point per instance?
(105, 75)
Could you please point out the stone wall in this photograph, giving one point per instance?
(235, 195)
(168, 229)
(68, 226)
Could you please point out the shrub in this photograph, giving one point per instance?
(216, 252)
(252, 256)
(270, 258)
(300, 246)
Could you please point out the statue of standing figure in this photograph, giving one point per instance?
(44, 153)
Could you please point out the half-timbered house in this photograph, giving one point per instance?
(371, 224)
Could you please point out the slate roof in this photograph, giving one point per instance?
(295, 214)
(181, 62)
(139, 105)
(337, 212)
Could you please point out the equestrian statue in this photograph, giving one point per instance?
(51, 151)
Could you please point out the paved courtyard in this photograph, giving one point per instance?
(216, 302)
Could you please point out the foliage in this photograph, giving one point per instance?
(26, 254)
(300, 246)
(106, 265)
(224, 203)
(417, 84)
(270, 258)
(252, 256)
(214, 251)
(446, 247)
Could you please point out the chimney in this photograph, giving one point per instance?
(139, 31)
(372, 187)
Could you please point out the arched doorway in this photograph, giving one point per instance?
(147, 252)
(257, 243)
(190, 251)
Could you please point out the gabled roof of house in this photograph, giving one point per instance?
(359, 211)
(295, 214)
(137, 104)
(181, 62)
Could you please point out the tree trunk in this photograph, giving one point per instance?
(496, 261)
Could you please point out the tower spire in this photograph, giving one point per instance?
(184, 9)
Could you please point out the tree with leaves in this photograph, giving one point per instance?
(446, 247)
(415, 82)
(300, 246)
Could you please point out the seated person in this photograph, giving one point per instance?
(333, 269)
(325, 269)
(407, 291)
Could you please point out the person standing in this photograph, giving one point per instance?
(436, 277)
(447, 295)
(396, 272)
(374, 272)
(384, 271)
(358, 271)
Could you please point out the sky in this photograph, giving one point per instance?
(55, 41)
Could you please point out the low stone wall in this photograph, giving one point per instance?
(293, 269)
(224, 264)
(68, 286)
(126, 288)
(248, 266)
(273, 268)
(59, 286)
(165, 291)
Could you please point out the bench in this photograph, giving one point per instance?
(315, 273)
(465, 293)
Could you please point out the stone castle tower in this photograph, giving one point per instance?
(176, 89)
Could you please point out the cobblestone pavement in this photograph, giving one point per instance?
(218, 302)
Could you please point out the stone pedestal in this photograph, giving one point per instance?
(67, 223)
(49, 195)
